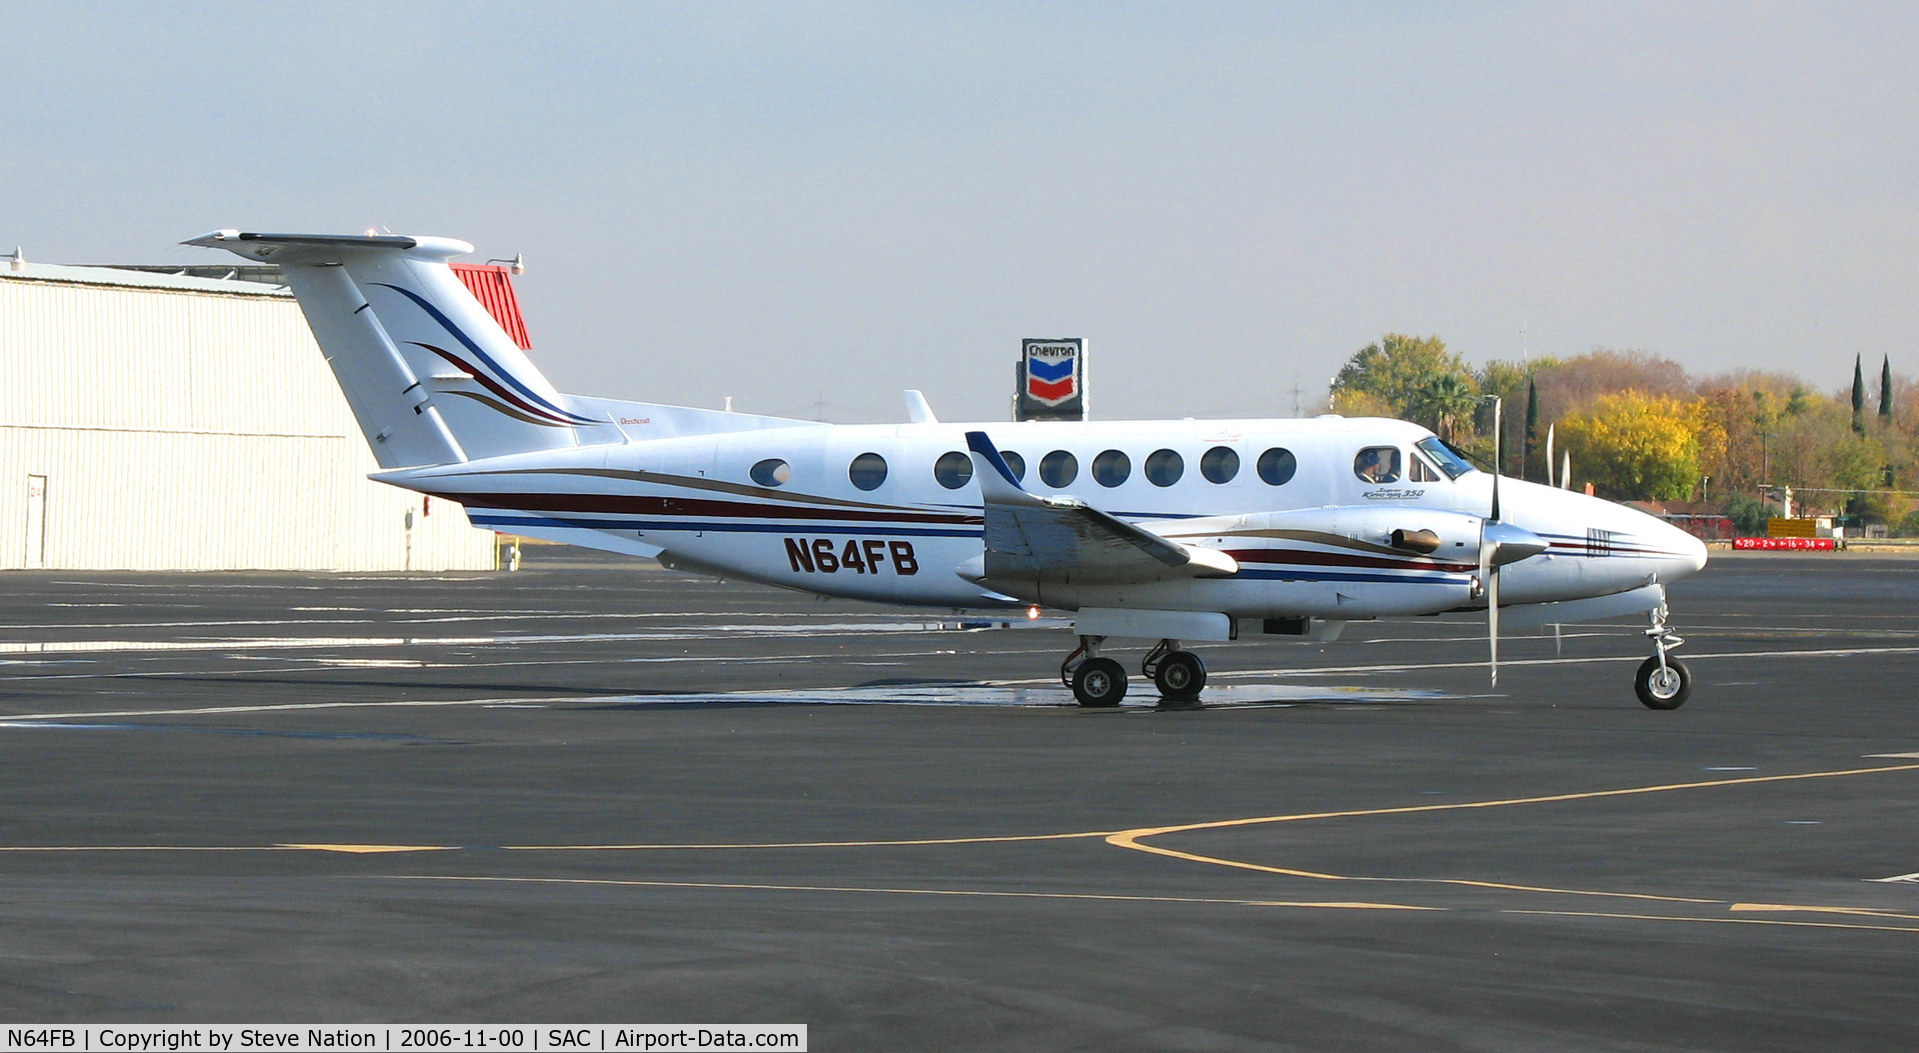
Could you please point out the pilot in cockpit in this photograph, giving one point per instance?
(1377, 464)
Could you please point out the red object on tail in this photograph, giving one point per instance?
(492, 285)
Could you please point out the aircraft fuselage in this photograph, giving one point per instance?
(863, 511)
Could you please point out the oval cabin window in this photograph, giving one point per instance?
(1058, 469)
(953, 470)
(1276, 466)
(771, 472)
(1111, 468)
(1219, 464)
(1164, 467)
(867, 471)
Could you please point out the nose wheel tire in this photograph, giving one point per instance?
(1180, 676)
(1099, 683)
(1666, 688)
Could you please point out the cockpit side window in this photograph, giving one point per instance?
(1418, 471)
(1377, 464)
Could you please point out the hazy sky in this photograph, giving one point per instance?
(793, 203)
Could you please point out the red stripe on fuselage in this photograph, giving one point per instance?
(632, 504)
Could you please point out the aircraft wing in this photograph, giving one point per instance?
(1061, 539)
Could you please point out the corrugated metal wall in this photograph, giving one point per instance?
(193, 430)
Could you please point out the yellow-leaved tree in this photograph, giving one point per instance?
(1634, 446)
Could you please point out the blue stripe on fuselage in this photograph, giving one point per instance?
(494, 520)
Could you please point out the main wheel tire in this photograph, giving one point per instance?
(1180, 677)
(1666, 688)
(1099, 683)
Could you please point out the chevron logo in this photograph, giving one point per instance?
(1052, 382)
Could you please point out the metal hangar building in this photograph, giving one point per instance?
(168, 421)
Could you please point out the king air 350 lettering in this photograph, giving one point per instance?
(823, 555)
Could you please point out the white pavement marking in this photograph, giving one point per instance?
(1372, 694)
(321, 665)
(515, 615)
(1250, 695)
(1910, 879)
(702, 632)
(279, 707)
(1343, 670)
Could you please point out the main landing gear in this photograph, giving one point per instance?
(1099, 683)
(1662, 682)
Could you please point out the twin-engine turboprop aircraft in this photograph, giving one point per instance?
(1172, 531)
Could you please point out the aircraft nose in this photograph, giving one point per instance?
(1688, 554)
(1695, 555)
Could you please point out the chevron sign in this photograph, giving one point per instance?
(1052, 374)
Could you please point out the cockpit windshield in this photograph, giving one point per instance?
(1449, 462)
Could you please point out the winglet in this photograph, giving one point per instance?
(997, 482)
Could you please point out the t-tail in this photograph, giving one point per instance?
(429, 374)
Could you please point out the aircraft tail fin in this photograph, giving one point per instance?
(430, 375)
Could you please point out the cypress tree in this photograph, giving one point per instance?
(1532, 424)
(1858, 397)
(1885, 407)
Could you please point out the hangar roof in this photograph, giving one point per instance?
(177, 278)
(490, 284)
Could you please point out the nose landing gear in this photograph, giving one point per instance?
(1100, 683)
(1662, 682)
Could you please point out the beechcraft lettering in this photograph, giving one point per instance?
(1166, 531)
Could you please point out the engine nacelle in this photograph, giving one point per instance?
(1437, 534)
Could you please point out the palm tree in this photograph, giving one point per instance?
(1443, 402)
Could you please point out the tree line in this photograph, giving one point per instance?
(1639, 427)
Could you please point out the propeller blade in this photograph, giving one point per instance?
(1551, 464)
(1492, 622)
(1491, 534)
(1499, 458)
(1489, 581)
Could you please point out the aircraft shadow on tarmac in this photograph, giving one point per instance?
(952, 693)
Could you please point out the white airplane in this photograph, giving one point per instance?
(1168, 530)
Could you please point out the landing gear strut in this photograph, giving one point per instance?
(1662, 682)
(1180, 675)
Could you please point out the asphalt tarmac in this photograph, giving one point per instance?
(599, 792)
